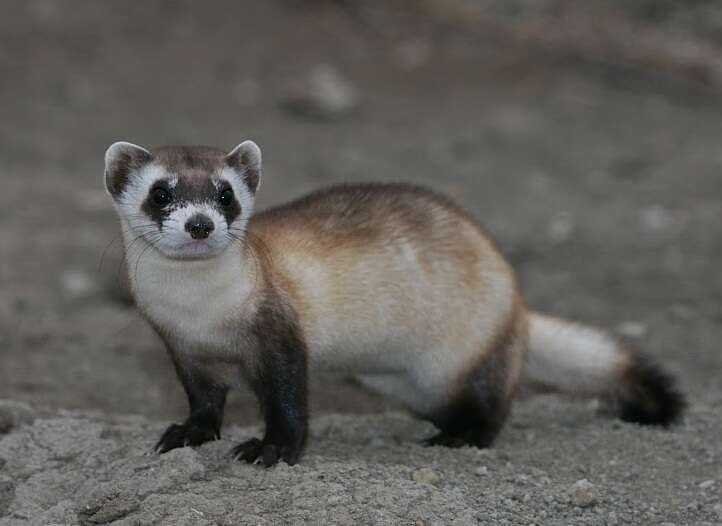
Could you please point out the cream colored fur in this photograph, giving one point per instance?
(573, 358)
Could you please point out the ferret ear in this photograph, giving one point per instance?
(245, 159)
(121, 160)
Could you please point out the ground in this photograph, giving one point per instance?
(601, 184)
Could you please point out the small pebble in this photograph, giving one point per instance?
(632, 329)
(425, 476)
(324, 94)
(583, 493)
(706, 484)
(561, 228)
(481, 471)
(76, 283)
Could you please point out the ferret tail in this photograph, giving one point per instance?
(569, 358)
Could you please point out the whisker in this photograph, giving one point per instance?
(105, 252)
(146, 248)
(129, 249)
(254, 246)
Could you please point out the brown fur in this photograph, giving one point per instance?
(354, 223)
(118, 172)
(190, 161)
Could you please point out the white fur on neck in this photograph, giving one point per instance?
(195, 303)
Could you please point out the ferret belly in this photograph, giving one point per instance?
(375, 327)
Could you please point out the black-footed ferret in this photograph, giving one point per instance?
(391, 283)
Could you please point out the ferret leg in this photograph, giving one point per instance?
(474, 410)
(477, 409)
(279, 381)
(206, 401)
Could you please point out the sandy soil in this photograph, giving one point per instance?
(602, 188)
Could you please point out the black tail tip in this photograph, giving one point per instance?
(649, 394)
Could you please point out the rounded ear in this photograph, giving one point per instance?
(121, 160)
(246, 160)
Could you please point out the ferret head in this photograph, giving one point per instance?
(187, 202)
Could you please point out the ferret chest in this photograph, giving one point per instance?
(198, 308)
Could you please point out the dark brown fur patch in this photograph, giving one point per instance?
(155, 212)
(118, 173)
(242, 164)
(648, 395)
(477, 410)
(190, 161)
(206, 401)
(279, 380)
(233, 210)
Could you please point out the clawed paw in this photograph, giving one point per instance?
(255, 451)
(182, 435)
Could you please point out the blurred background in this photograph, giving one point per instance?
(584, 135)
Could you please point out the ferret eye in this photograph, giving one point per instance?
(161, 196)
(226, 197)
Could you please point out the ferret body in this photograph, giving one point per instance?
(390, 283)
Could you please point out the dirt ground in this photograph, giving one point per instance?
(600, 181)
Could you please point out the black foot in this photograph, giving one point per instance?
(257, 451)
(456, 441)
(188, 434)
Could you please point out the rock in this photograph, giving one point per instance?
(632, 329)
(481, 471)
(76, 284)
(583, 493)
(561, 228)
(425, 476)
(14, 414)
(717, 508)
(657, 219)
(108, 509)
(184, 463)
(324, 95)
(706, 484)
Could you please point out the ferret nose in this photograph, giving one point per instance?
(199, 226)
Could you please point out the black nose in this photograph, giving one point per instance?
(199, 226)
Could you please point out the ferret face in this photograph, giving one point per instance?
(187, 202)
